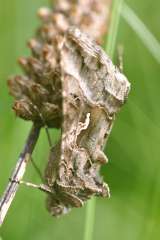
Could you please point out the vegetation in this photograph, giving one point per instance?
(132, 212)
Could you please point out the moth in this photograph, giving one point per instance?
(70, 83)
(93, 91)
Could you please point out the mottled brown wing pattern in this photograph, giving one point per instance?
(93, 91)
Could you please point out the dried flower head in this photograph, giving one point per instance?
(38, 92)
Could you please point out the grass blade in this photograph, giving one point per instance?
(113, 31)
(142, 31)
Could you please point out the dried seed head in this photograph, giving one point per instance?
(91, 16)
(40, 88)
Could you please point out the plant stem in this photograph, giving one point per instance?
(18, 172)
(89, 221)
(113, 30)
(109, 48)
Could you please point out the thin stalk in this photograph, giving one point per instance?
(113, 30)
(89, 220)
(109, 48)
(18, 172)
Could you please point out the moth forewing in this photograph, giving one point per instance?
(93, 91)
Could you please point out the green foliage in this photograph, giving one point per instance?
(142, 31)
(133, 150)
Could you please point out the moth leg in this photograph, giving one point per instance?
(48, 136)
(41, 187)
(37, 170)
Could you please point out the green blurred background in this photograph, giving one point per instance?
(133, 211)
